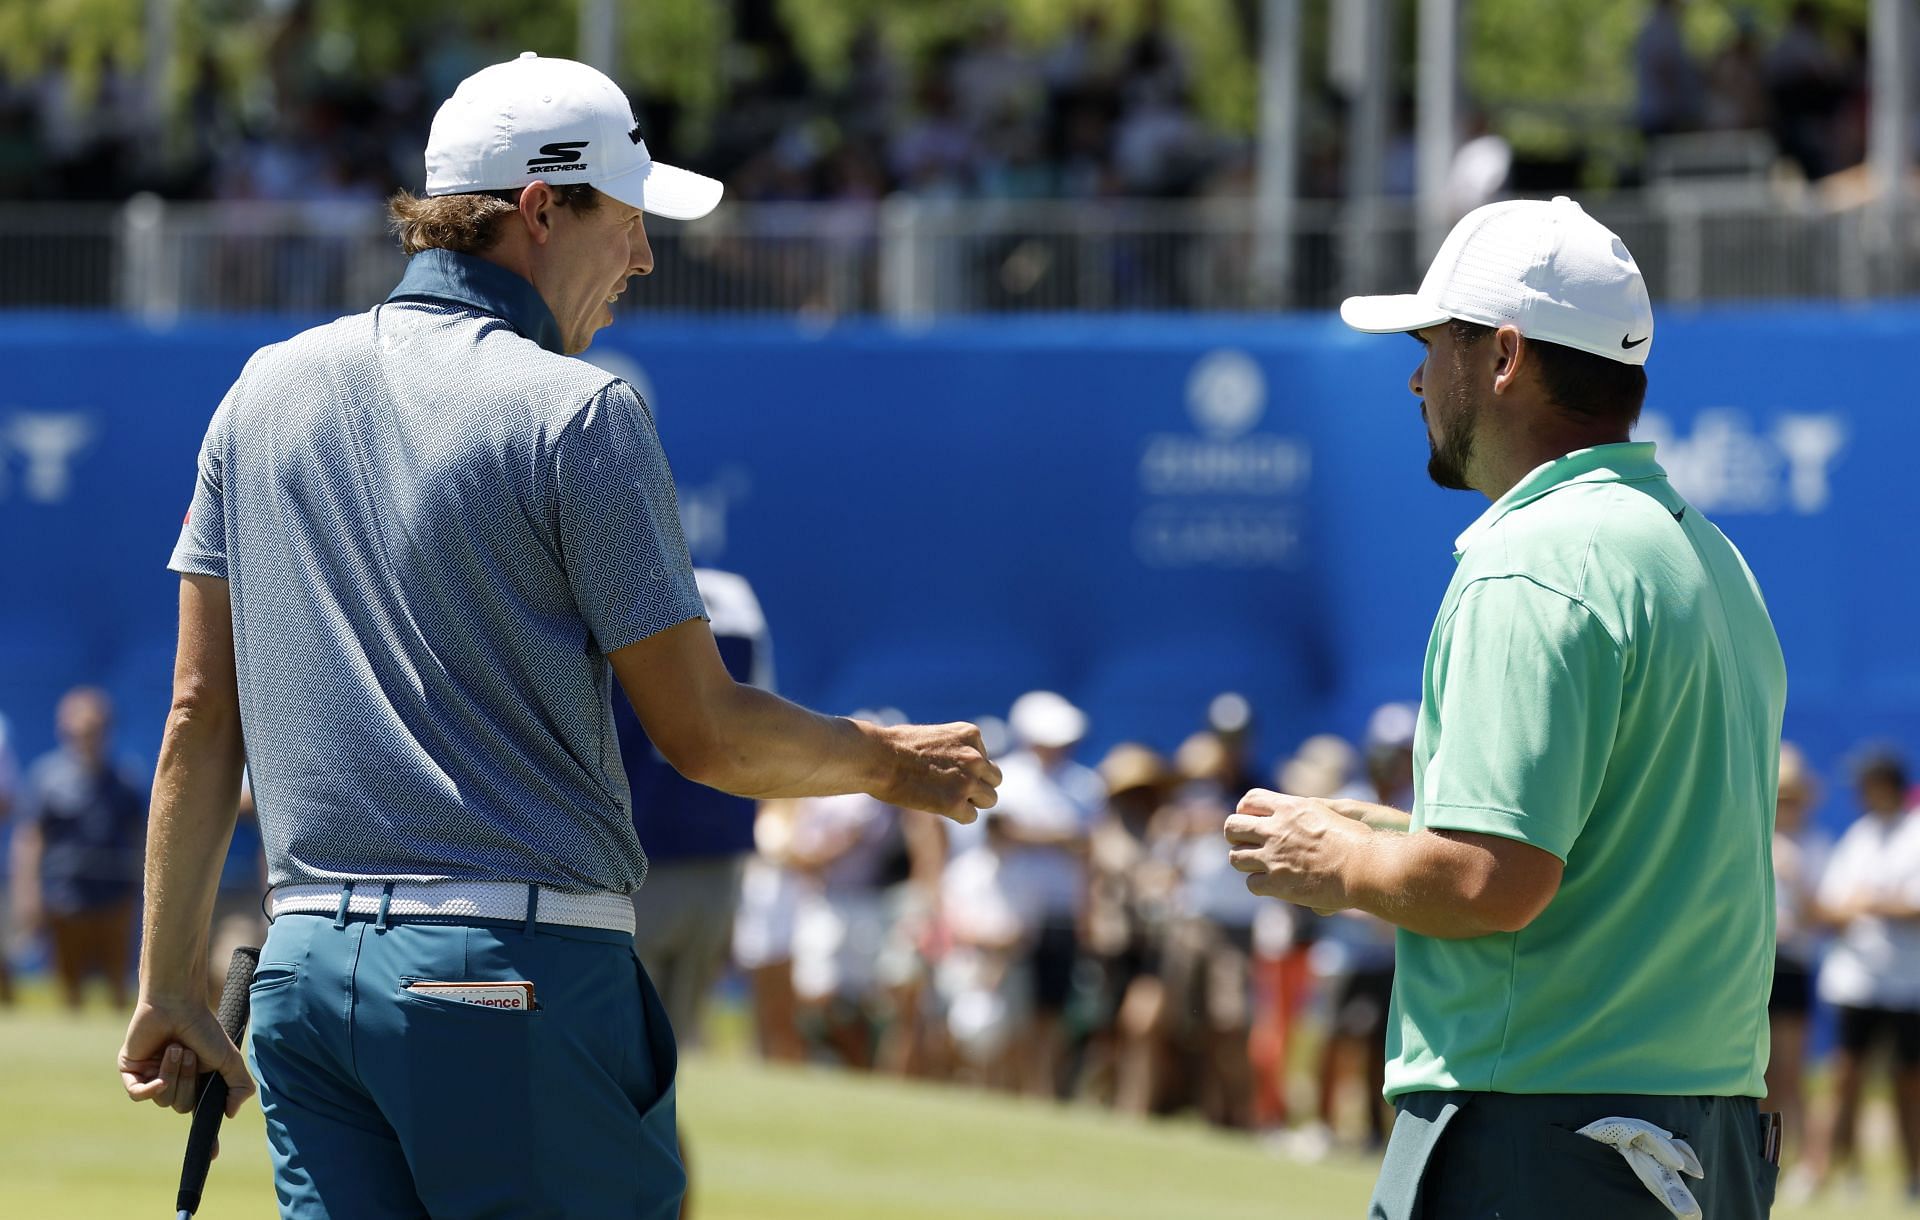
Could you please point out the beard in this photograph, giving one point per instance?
(1447, 463)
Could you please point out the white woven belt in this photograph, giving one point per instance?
(457, 900)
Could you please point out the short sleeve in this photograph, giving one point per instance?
(1529, 686)
(618, 522)
(202, 546)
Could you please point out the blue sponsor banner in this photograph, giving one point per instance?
(1140, 512)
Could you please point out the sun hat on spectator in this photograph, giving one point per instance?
(1042, 718)
(1130, 765)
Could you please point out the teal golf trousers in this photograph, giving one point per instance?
(384, 1102)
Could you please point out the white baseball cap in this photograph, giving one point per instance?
(1392, 726)
(1549, 269)
(1043, 718)
(560, 122)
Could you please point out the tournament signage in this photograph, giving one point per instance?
(1730, 462)
(38, 450)
(1139, 512)
(1223, 495)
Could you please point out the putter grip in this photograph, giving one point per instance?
(233, 996)
(211, 1105)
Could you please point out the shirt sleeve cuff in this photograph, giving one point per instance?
(1490, 820)
(649, 630)
(198, 563)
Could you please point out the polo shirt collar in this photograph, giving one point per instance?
(1627, 462)
(462, 279)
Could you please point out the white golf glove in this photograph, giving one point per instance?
(1657, 1158)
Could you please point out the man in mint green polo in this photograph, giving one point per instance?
(1584, 886)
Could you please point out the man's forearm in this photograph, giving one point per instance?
(1448, 884)
(196, 796)
(1376, 817)
(765, 747)
(744, 740)
(1425, 883)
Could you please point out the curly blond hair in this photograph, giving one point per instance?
(467, 223)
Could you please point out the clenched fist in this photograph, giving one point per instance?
(939, 768)
(1294, 848)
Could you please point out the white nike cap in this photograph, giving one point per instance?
(1549, 269)
(561, 122)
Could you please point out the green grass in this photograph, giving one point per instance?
(765, 1144)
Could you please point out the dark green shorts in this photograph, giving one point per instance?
(1514, 1156)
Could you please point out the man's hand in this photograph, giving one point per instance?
(1293, 848)
(166, 1049)
(940, 768)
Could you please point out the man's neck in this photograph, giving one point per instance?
(509, 255)
(1530, 451)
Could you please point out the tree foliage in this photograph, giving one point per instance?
(1225, 87)
(1559, 73)
(1552, 71)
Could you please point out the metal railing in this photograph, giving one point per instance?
(920, 259)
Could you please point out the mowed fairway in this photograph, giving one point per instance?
(766, 1144)
(812, 1145)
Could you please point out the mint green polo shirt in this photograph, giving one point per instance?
(1603, 683)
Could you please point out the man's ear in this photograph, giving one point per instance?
(1509, 355)
(536, 203)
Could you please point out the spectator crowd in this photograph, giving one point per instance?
(1807, 89)
(1095, 112)
(1084, 940)
(320, 129)
(984, 115)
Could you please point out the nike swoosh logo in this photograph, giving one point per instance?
(1680, 514)
(1630, 344)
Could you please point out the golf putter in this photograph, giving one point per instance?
(211, 1106)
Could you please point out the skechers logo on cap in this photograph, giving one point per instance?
(563, 157)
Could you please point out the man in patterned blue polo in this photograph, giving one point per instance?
(422, 546)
